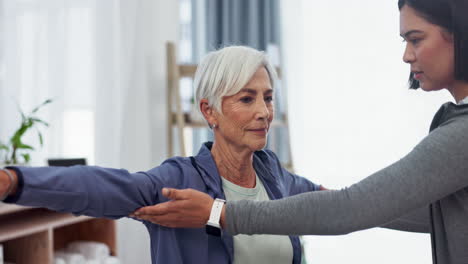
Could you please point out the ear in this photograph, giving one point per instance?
(208, 112)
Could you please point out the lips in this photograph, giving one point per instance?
(259, 131)
(417, 74)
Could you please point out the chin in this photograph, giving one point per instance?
(259, 145)
(431, 87)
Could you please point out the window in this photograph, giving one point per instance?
(48, 52)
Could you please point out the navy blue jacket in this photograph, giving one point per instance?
(115, 193)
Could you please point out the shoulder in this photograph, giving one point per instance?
(452, 129)
(450, 113)
(173, 170)
(448, 141)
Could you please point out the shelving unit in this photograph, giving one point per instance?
(180, 120)
(31, 235)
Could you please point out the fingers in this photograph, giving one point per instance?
(167, 192)
(163, 208)
(175, 194)
(158, 209)
(173, 220)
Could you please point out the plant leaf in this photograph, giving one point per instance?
(37, 120)
(24, 146)
(16, 139)
(48, 101)
(15, 143)
(23, 116)
(26, 157)
(41, 139)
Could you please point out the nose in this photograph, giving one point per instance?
(408, 55)
(261, 110)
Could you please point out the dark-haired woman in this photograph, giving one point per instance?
(425, 191)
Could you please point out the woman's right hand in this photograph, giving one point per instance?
(187, 208)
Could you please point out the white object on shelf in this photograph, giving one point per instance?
(70, 258)
(58, 260)
(90, 250)
(112, 260)
(93, 261)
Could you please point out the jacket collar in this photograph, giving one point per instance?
(210, 173)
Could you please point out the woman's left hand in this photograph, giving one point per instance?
(187, 208)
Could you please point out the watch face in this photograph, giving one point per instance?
(212, 230)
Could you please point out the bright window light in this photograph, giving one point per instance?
(78, 134)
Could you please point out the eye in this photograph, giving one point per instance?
(246, 99)
(269, 99)
(415, 41)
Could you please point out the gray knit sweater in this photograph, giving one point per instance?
(429, 185)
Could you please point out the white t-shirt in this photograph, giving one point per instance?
(464, 101)
(258, 249)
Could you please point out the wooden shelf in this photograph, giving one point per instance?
(34, 221)
(36, 248)
(90, 229)
(11, 208)
(30, 235)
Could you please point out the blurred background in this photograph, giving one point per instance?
(103, 63)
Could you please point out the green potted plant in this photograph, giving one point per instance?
(15, 151)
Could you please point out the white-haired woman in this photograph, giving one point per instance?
(235, 87)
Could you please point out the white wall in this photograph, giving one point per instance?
(353, 112)
(143, 131)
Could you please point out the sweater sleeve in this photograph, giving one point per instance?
(416, 221)
(435, 168)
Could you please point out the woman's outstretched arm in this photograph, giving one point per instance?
(434, 169)
(91, 190)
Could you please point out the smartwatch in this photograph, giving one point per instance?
(212, 226)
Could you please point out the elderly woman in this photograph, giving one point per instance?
(235, 89)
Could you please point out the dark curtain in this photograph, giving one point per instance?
(253, 23)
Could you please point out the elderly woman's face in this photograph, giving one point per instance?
(247, 115)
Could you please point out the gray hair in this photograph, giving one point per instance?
(226, 71)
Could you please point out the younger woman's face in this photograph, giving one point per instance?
(429, 51)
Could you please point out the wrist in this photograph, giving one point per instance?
(222, 221)
(9, 183)
(213, 226)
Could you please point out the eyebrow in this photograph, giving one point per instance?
(411, 32)
(252, 91)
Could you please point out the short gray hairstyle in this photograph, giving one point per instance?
(226, 71)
